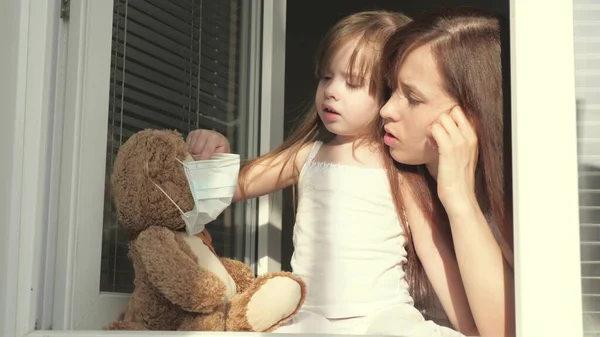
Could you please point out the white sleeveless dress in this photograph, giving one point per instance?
(349, 248)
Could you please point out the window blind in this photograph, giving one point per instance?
(587, 82)
(174, 66)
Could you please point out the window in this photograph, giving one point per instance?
(174, 65)
(139, 80)
(587, 84)
(53, 200)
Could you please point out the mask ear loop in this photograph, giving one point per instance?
(161, 189)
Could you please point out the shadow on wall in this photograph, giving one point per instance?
(307, 21)
(589, 218)
(588, 149)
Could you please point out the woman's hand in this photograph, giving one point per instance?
(457, 146)
(202, 144)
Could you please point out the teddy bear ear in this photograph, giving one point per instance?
(147, 159)
(160, 152)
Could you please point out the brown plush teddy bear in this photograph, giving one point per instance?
(180, 283)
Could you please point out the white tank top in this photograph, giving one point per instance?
(349, 246)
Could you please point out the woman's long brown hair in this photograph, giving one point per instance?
(371, 29)
(466, 46)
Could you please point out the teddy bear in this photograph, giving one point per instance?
(180, 283)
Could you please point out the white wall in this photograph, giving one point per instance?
(9, 40)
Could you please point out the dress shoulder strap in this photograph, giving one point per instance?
(313, 152)
(311, 156)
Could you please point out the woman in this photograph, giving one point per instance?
(443, 125)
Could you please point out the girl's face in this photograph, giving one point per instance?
(419, 100)
(345, 106)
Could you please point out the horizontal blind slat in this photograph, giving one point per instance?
(580, 14)
(213, 47)
(167, 49)
(187, 84)
(168, 62)
(176, 98)
(589, 198)
(590, 269)
(149, 101)
(588, 215)
(588, 180)
(164, 27)
(135, 118)
(184, 22)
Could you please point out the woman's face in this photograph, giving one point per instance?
(419, 100)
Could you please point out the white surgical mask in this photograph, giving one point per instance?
(213, 183)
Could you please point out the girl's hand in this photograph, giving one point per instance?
(457, 146)
(202, 144)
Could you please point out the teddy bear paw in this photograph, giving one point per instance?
(276, 300)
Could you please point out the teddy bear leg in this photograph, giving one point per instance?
(126, 325)
(270, 301)
(239, 272)
(214, 321)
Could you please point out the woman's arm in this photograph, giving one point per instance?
(441, 268)
(486, 274)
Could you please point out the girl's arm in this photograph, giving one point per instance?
(271, 175)
(263, 178)
(441, 268)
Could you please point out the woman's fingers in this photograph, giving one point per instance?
(450, 126)
(463, 124)
(439, 135)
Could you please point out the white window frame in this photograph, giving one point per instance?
(545, 176)
(547, 262)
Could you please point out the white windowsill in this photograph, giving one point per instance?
(167, 333)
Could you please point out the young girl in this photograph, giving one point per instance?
(350, 246)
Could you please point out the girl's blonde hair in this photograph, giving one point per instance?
(371, 29)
